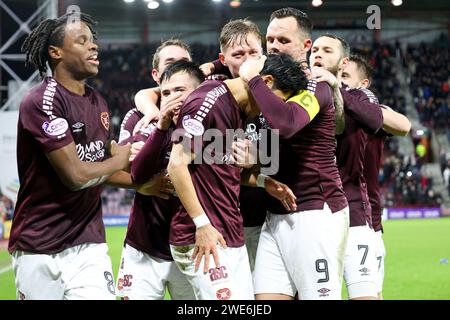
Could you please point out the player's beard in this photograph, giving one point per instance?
(334, 69)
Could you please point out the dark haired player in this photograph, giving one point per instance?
(147, 268)
(358, 74)
(58, 237)
(209, 191)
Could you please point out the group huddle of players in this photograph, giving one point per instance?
(211, 218)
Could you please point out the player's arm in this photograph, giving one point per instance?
(77, 174)
(363, 110)
(145, 164)
(394, 122)
(159, 185)
(288, 117)
(339, 115)
(206, 236)
(273, 187)
(320, 74)
(146, 102)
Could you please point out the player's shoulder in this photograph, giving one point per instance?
(364, 93)
(206, 94)
(43, 93)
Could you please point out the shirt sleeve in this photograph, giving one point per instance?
(194, 120)
(363, 109)
(49, 127)
(146, 163)
(288, 117)
(127, 126)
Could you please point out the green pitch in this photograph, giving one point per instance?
(415, 263)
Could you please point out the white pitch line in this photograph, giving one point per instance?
(5, 269)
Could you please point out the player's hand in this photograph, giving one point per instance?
(206, 240)
(244, 153)
(159, 185)
(143, 123)
(135, 149)
(281, 192)
(121, 153)
(207, 68)
(170, 107)
(320, 74)
(251, 68)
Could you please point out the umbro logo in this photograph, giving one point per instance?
(77, 127)
(323, 292)
(364, 271)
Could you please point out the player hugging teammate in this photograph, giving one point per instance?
(209, 219)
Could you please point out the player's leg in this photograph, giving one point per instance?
(380, 255)
(141, 276)
(360, 264)
(87, 272)
(312, 244)
(271, 278)
(178, 285)
(37, 276)
(251, 236)
(222, 283)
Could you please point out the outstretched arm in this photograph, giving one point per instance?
(206, 236)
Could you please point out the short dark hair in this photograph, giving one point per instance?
(169, 42)
(304, 23)
(188, 67)
(237, 30)
(287, 73)
(50, 32)
(344, 44)
(363, 66)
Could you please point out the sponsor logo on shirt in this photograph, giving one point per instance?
(218, 273)
(91, 152)
(124, 134)
(193, 126)
(364, 271)
(104, 117)
(77, 127)
(56, 127)
(323, 292)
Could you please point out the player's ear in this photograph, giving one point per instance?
(344, 63)
(307, 44)
(54, 52)
(155, 75)
(365, 83)
(268, 79)
(222, 59)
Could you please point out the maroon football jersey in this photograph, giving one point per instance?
(211, 106)
(48, 216)
(307, 149)
(351, 150)
(149, 224)
(372, 164)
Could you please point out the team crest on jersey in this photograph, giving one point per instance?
(56, 127)
(223, 294)
(104, 117)
(193, 126)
